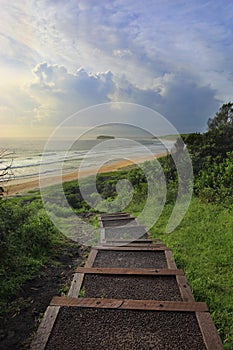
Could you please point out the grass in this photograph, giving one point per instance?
(82, 293)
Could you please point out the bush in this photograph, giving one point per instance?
(26, 238)
(214, 183)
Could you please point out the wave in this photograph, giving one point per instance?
(47, 154)
(34, 163)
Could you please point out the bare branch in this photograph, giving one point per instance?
(6, 172)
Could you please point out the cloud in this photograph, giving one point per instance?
(169, 27)
(60, 93)
(54, 94)
(122, 53)
(143, 42)
(186, 104)
(161, 37)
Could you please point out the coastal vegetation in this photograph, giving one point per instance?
(202, 244)
(27, 240)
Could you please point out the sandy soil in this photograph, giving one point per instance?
(18, 187)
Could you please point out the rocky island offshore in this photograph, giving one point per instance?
(105, 137)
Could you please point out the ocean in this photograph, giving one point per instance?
(30, 159)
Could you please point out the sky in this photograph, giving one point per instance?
(58, 57)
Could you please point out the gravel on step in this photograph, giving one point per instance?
(127, 231)
(119, 222)
(105, 329)
(130, 259)
(131, 287)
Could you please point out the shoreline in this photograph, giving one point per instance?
(18, 187)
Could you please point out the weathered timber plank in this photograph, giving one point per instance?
(185, 289)
(87, 302)
(45, 328)
(127, 241)
(116, 215)
(150, 247)
(119, 218)
(129, 271)
(76, 285)
(154, 305)
(131, 245)
(91, 258)
(209, 332)
(164, 305)
(170, 260)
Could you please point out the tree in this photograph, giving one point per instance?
(220, 133)
(216, 143)
(223, 119)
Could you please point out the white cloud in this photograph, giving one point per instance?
(145, 41)
(55, 93)
(177, 97)
(60, 93)
(122, 53)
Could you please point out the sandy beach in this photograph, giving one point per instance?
(24, 185)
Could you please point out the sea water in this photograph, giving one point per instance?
(29, 158)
